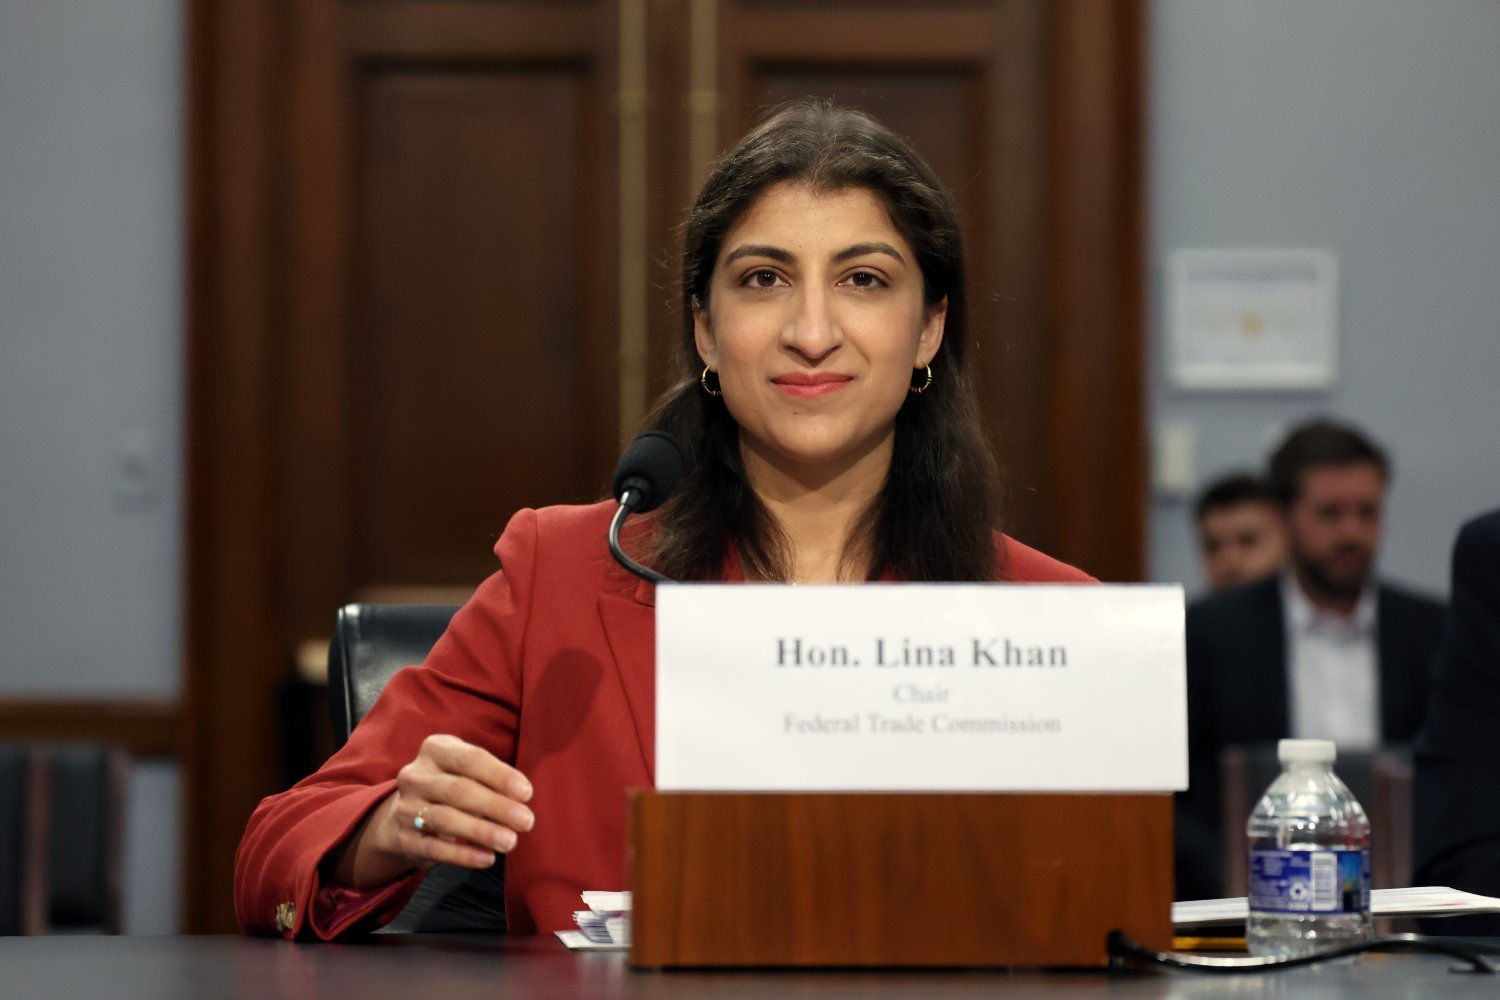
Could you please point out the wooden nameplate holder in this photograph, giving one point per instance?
(857, 879)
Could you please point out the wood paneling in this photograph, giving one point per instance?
(231, 657)
(1096, 441)
(405, 301)
(479, 316)
(859, 879)
(146, 728)
(451, 343)
(670, 181)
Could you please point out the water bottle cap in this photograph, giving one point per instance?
(1306, 751)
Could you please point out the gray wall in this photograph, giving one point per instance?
(1367, 127)
(91, 124)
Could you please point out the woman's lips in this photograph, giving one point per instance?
(808, 386)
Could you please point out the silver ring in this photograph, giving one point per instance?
(420, 820)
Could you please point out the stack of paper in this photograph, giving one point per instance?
(1416, 901)
(604, 926)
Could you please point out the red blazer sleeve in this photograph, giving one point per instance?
(470, 686)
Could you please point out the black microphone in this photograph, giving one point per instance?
(646, 476)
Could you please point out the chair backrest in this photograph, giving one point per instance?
(88, 791)
(370, 643)
(1380, 780)
(24, 801)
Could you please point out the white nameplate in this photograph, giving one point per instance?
(907, 687)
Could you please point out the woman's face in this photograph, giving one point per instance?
(815, 322)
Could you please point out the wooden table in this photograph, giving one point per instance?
(446, 967)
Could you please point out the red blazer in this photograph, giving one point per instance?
(560, 630)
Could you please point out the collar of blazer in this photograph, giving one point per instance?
(630, 629)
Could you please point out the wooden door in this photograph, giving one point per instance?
(435, 336)
(432, 282)
(451, 282)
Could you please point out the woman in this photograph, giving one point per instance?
(832, 435)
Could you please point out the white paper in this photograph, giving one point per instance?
(575, 941)
(1412, 901)
(904, 687)
(606, 902)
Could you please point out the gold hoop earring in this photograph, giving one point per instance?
(703, 381)
(917, 390)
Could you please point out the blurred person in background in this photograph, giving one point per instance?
(1322, 650)
(1240, 535)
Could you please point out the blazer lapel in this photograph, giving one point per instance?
(1395, 692)
(1270, 639)
(630, 628)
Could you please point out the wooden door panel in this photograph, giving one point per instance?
(473, 345)
(934, 108)
(452, 288)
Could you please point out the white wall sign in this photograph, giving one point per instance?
(1252, 319)
(905, 687)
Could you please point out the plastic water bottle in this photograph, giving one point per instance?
(1309, 858)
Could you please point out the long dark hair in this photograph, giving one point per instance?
(933, 518)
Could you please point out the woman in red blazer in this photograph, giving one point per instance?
(832, 434)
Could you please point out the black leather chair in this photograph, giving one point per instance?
(24, 795)
(86, 836)
(60, 838)
(370, 643)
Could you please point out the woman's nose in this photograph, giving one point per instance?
(814, 331)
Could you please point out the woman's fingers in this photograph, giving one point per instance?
(452, 772)
(454, 756)
(445, 821)
(478, 800)
(426, 850)
(471, 805)
(420, 786)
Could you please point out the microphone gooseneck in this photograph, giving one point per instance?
(647, 474)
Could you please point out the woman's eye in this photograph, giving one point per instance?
(762, 279)
(865, 279)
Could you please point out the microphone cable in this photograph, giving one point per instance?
(1122, 947)
(647, 474)
(644, 572)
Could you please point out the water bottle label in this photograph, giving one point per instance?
(1331, 881)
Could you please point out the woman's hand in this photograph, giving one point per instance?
(471, 807)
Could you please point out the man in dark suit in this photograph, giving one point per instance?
(1323, 650)
(1457, 800)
